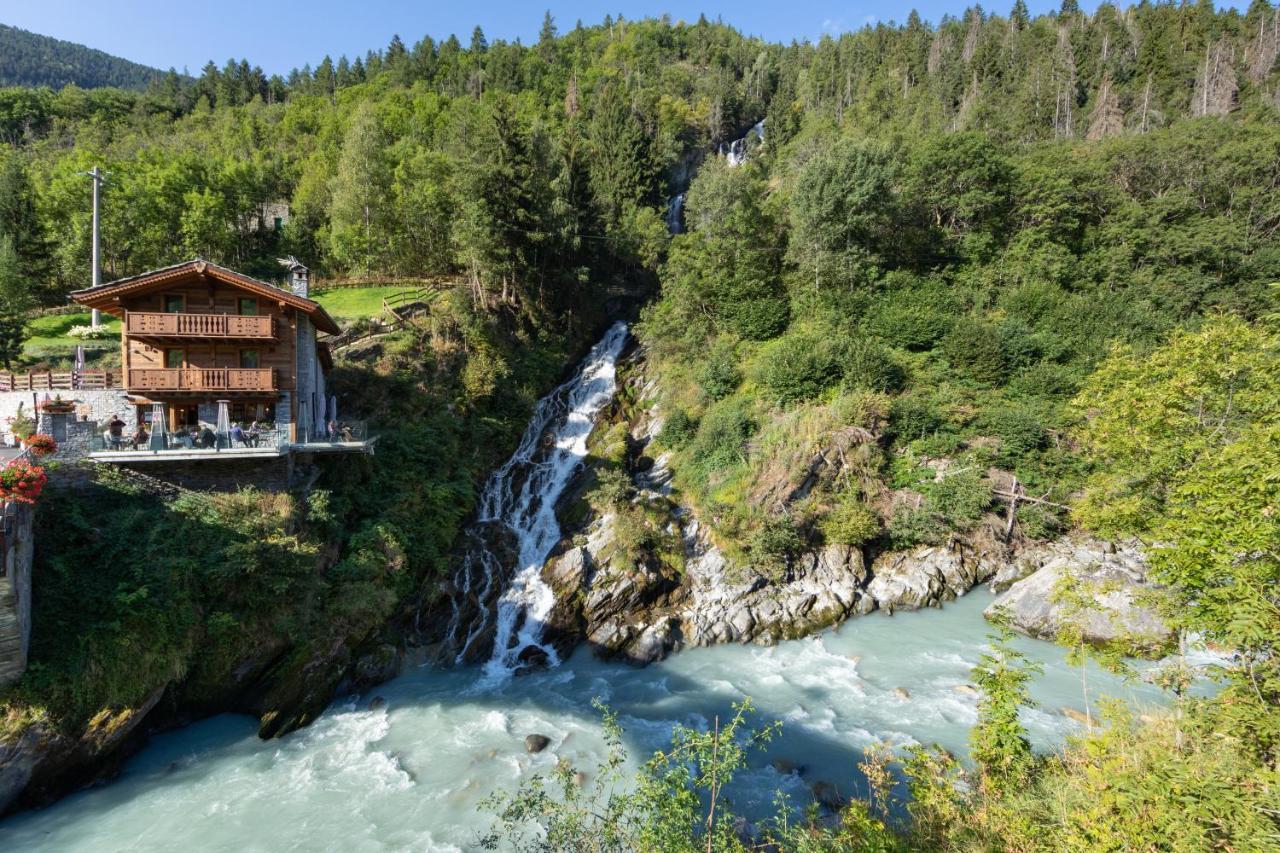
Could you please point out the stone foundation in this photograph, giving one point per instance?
(16, 548)
(271, 474)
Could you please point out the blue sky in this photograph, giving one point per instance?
(283, 34)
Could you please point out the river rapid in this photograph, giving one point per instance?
(411, 774)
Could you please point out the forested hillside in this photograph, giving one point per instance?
(391, 161)
(30, 59)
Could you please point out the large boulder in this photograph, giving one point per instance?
(737, 604)
(929, 575)
(1099, 587)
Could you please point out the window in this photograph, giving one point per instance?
(174, 358)
(248, 306)
(249, 359)
(278, 223)
(174, 303)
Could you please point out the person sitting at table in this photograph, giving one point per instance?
(347, 434)
(238, 436)
(207, 438)
(252, 435)
(333, 430)
(140, 436)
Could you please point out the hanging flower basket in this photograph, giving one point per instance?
(41, 445)
(22, 482)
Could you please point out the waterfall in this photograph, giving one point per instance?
(736, 151)
(516, 527)
(675, 214)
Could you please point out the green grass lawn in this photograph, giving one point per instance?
(47, 336)
(355, 303)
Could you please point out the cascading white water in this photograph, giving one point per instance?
(520, 497)
(675, 214)
(736, 151)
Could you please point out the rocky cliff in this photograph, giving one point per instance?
(642, 600)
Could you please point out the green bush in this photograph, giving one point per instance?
(721, 436)
(774, 543)
(1045, 379)
(870, 367)
(914, 415)
(910, 325)
(719, 375)
(974, 349)
(850, 522)
(1018, 427)
(677, 430)
(960, 499)
(799, 366)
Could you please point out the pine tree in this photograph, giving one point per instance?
(15, 302)
(1019, 16)
(547, 34)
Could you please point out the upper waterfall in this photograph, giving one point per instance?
(736, 151)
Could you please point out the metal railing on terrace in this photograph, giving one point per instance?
(185, 440)
(207, 439)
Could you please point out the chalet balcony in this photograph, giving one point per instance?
(240, 327)
(198, 379)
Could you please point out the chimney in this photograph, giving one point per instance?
(299, 281)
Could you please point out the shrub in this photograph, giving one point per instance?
(974, 349)
(89, 333)
(719, 375)
(799, 366)
(851, 522)
(677, 430)
(775, 542)
(914, 415)
(910, 325)
(869, 366)
(720, 437)
(21, 424)
(960, 499)
(1045, 379)
(1018, 427)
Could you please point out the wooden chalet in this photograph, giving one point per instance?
(196, 333)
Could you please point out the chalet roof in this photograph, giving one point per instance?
(105, 296)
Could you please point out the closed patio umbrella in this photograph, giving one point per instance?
(158, 440)
(77, 372)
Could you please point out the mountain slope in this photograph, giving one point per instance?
(29, 59)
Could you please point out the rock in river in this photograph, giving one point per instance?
(535, 743)
(1110, 601)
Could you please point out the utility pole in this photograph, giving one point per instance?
(96, 174)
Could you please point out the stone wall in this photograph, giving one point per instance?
(271, 474)
(16, 548)
(96, 405)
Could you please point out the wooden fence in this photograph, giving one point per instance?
(68, 380)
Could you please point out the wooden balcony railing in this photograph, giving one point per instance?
(144, 324)
(202, 379)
